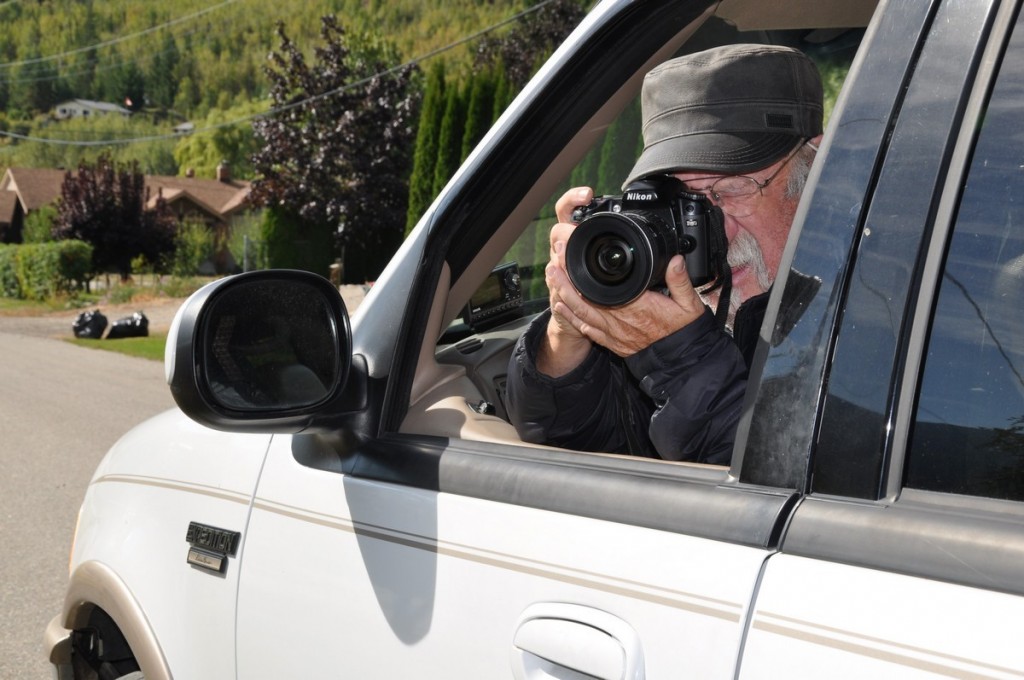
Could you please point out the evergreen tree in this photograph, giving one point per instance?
(421, 181)
(126, 87)
(81, 67)
(479, 111)
(161, 83)
(503, 94)
(34, 87)
(619, 150)
(449, 144)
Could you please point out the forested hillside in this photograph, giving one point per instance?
(348, 116)
(192, 62)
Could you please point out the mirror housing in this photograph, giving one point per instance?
(265, 351)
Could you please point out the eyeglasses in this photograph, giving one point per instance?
(737, 195)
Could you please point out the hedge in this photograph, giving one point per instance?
(37, 271)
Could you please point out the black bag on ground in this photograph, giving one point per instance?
(90, 325)
(134, 326)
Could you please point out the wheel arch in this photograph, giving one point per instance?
(95, 585)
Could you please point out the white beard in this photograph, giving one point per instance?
(744, 250)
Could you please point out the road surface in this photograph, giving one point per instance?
(61, 408)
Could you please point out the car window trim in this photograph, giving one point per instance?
(695, 500)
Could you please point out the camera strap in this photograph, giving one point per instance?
(719, 256)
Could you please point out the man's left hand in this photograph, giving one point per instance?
(630, 328)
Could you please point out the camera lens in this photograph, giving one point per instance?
(612, 258)
(609, 259)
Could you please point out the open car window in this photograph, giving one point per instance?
(474, 346)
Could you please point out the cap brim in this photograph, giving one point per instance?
(714, 153)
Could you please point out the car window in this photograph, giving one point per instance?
(968, 436)
(609, 160)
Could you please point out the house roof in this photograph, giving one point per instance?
(36, 187)
(215, 195)
(95, 106)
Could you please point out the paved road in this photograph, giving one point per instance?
(61, 408)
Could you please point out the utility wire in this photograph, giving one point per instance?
(287, 107)
(92, 67)
(123, 38)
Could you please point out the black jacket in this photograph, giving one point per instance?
(679, 399)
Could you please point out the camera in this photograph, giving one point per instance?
(623, 243)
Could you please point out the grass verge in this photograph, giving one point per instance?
(151, 347)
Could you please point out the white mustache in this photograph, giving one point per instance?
(744, 251)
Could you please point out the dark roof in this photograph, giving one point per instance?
(37, 187)
(34, 186)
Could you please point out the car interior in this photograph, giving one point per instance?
(475, 319)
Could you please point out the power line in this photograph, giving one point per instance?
(96, 66)
(287, 107)
(123, 38)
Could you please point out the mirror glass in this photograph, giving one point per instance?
(270, 345)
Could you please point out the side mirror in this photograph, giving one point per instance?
(267, 351)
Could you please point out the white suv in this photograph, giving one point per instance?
(351, 501)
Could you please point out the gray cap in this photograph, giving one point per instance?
(728, 110)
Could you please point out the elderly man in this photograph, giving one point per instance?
(659, 376)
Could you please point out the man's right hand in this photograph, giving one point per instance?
(576, 324)
(564, 347)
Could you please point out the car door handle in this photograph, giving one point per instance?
(569, 641)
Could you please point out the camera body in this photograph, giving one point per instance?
(622, 245)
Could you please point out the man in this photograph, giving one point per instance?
(658, 376)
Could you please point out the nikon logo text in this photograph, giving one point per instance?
(641, 196)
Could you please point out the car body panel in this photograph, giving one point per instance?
(384, 577)
(817, 618)
(157, 479)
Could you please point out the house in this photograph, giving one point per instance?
(22, 191)
(214, 202)
(83, 108)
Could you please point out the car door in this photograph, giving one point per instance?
(904, 559)
(425, 540)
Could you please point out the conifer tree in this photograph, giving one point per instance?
(449, 143)
(479, 110)
(162, 86)
(421, 181)
(618, 153)
(502, 91)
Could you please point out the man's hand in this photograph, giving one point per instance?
(564, 347)
(576, 323)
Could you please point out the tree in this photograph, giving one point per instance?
(36, 86)
(479, 110)
(421, 182)
(161, 82)
(235, 143)
(105, 205)
(449, 143)
(534, 37)
(126, 86)
(337, 146)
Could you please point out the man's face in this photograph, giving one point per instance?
(756, 241)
